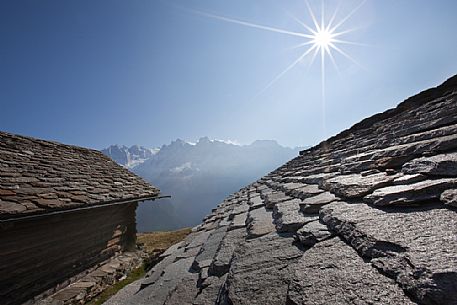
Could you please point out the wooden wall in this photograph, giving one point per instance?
(37, 254)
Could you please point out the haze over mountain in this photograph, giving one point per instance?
(197, 175)
(129, 156)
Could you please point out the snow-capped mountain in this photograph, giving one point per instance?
(198, 176)
(129, 156)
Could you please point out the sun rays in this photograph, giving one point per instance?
(321, 37)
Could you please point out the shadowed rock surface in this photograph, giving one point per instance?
(365, 217)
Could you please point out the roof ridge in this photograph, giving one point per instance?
(423, 97)
(43, 141)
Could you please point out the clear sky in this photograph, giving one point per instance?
(95, 73)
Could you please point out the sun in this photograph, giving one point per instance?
(323, 39)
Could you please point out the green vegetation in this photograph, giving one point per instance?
(154, 243)
(136, 274)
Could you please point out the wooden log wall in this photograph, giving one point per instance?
(37, 254)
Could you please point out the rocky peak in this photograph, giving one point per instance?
(129, 157)
(204, 140)
(262, 143)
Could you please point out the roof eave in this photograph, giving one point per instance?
(19, 217)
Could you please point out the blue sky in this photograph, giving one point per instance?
(95, 73)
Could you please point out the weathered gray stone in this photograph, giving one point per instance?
(409, 179)
(397, 155)
(241, 208)
(209, 249)
(256, 203)
(186, 252)
(313, 204)
(411, 193)
(286, 178)
(287, 216)
(196, 239)
(259, 222)
(202, 276)
(312, 232)
(221, 263)
(260, 187)
(449, 197)
(261, 271)
(415, 247)
(172, 249)
(225, 222)
(274, 198)
(239, 221)
(158, 291)
(305, 191)
(370, 172)
(439, 165)
(155, 273)
(209, 294)
(266, 191)
(286, 187)
(356, 185)
(317, 178)
(273, 186)
(430, 133)
(332, 273)
(185, 291)
(210, 225)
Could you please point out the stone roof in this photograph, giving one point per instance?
(38, 176)
(366, 217)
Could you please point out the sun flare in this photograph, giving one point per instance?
(322, 38)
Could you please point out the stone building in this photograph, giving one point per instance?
(63, 209)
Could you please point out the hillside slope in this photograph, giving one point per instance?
(366, 217)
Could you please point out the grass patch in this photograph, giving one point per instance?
(136, 274)
(154, 243)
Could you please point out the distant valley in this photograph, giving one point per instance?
(198, 175)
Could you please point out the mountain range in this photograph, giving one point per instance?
(197, 176)
(129, 156)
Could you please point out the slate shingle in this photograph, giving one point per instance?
(38, 176)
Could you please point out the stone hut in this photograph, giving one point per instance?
(63, 209)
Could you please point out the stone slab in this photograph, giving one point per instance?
(356, 185)
(313, 204)
(261, 271)
(449, 197)
(415, 247)
(332, 273)
(287, 216)
(221, 263)
(312, 233)
(259, 222)
(443, 165)
(410, 193)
